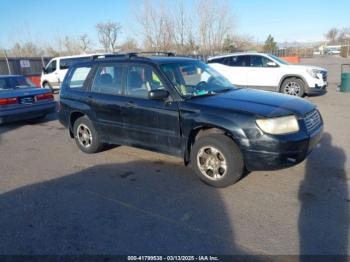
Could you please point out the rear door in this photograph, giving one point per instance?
(151, 124)
(262, 75)
(105, 100)
(234, 68)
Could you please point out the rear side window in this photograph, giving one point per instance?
(241, 60)
(79, 77)
(108, 80)
(222, 60)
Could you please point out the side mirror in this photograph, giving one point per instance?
(158, 94)
(271, 64)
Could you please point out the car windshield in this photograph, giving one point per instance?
(279, 60)
(193, 79)
(7, 83)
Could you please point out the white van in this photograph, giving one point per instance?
(55, 71)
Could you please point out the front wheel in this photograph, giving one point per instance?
(47, 85)
(86, 136)
(293, 86)
(217, 160)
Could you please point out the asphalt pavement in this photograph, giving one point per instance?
(55, 199)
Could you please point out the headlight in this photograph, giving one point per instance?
(279, 125)
(314, 73)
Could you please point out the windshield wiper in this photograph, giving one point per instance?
(223, 90)
(203, 95)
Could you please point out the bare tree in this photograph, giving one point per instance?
(157, 26)
(182, 25)
(130, 45)
(344, 36)
(85, 43)
(332, 35)
(108, 35)
(27, 49)
(215, 22)
(51, 51)
(71, 45)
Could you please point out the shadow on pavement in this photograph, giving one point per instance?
(324, 216)
(6, 127)
(131, 208)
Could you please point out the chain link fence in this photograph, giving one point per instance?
(307, 52)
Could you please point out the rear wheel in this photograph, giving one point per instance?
(217, 160)
(293, 86)
(86, 136)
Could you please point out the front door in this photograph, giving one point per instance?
(151, 124)
(52, 74)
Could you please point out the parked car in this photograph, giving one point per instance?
(183, 107)
(53, 74)
(268, 72)
(20, 99)
(333, 51)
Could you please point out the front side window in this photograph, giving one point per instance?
(79, 77)
(195, 79)
(259, 61)
(51, 67)
(108, 80)
(140, 79)
(279, 60)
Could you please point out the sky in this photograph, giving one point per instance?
(44, 21)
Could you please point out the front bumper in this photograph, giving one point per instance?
(28, 112)
(317, 90)
(273, 154)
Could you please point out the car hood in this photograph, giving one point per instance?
(306, 67)
(262, 103)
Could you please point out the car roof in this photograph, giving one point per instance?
(78, 56)
(170, 59)
(237, 54)
(137, 59)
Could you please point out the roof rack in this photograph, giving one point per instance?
(158, 53)
(129, 55)
(114, 55)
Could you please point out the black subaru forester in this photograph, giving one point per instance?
(181, 106)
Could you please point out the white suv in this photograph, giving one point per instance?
(53, 74)
(268, 72)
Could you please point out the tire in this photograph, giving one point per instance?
(293, 86)
(86, 137)
(47, 85)
(218, 151)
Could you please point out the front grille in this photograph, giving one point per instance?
(324, 76)
(312, 120)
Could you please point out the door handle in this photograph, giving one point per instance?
(130, 105)
(90, 99)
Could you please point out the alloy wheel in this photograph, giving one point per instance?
(212, 163)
